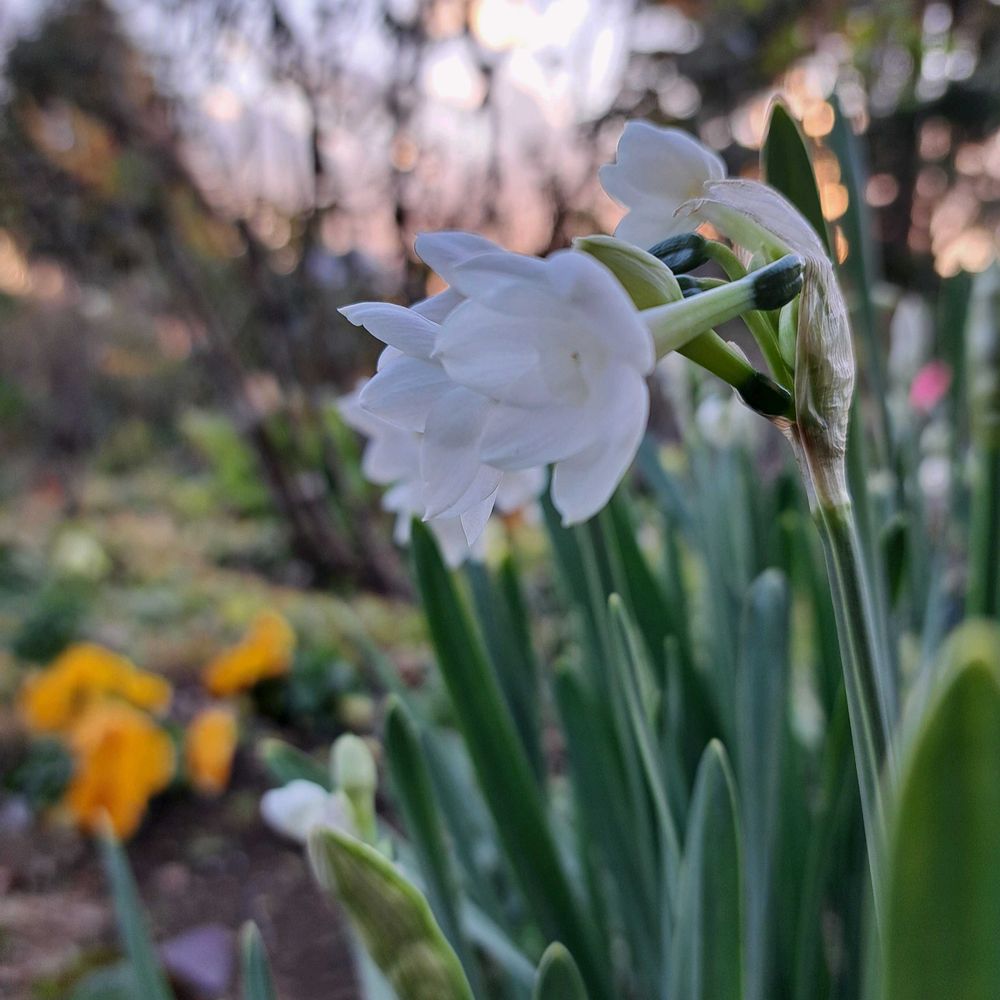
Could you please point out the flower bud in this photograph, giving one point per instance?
(355, 774)
(647, 280)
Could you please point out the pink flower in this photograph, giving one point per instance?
(930, 385)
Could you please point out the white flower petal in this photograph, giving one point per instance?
(483, 487)
(664, 162)
(602, 307)
(397, 326)
(390, 455)
(403, 391)
(295, 809)
(517, 438)
(520, 488)
(646, 229)
(438, 307)
(474, 519)
(443, 252)
(583, 483)
(488, 278)
(449, 455)
(657, 170)
(488, 351)
(450, 536)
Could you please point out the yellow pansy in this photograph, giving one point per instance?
(265, 651)
(85, 672)
(209, 745)
(122, 759)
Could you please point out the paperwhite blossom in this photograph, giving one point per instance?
(536, 362)
(391, 457)
(655, 168)
(560, 351)
(657, 171)
(301, 806)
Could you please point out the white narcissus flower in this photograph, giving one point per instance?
(301, 806)
(559, 348)
(657, 171)
(655, 167)
(392, 458)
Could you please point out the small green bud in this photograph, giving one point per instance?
(353, 766)
(356, 778)
(682, 253)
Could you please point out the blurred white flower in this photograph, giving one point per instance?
(559, 348)
(392, 458)
(301, 806)
(657, 170)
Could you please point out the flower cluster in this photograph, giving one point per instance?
(122, 759)
(525, 363)
(265, 652)
(106, 712)
(85, 674)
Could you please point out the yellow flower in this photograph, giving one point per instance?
(81, 675)
(209, 745)
(265, 651)
(122, 759)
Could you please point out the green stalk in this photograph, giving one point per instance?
(758, 323)
(984, 540)
(867, 700)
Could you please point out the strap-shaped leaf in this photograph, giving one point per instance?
(138, 946)
(254, 967)
(415, 793)
(502, 767)
(942, 936)
(558, 977)
(761, 735)
(708, 941)
(392, 917)
(285, 763)
(786, 166)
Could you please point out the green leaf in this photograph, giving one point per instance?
(786, 166)
(285, 763)
(136, 942)
(943, 914)
(708, 941)
(501, 764)
(415, 795)
(558, 977)
(631, 667)
(255, 970)
(761, 737)
(392, 917)
(509, 645)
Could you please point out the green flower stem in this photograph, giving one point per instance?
(758, 323)
(861, 658)
(713, 354)
(984, 541)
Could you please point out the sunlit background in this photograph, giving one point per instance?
(189, 189)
